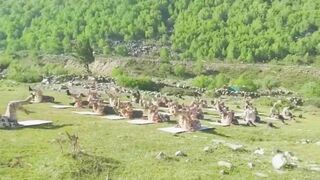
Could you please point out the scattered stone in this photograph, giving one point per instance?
(286, 159)
(304, 141)
(235, 147)
(259, 151)
(223, 172)
(161, 156)
(250, 165)
(315, 167)
(208, 149)
(180, 154)
(261, 175)
(279, 161)
(225, 164)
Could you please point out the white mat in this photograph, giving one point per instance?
(113, 117)
(140, 122)
(176, 130)
(28, 123)
(62, 106)
(85, 113)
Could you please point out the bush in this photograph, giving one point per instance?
(5, 61)
(165, 70)
(313, 102)
(23, 72)
(143, 83)
(121, 50)
(203, 81)
(198, 68)
(180, 71)
(311, 89)
(245, 83)
(117, 72)
(54, 69)
(270, 83)
(164, 54)
(221, 80)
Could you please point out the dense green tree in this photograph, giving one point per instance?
(246, 30)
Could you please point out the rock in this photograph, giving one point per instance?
(223, 172)
(208, 149)
(259, 151)
(305, 141)
(315, 167)
(261, 175)
(279, 161)
(250, 165)
(180, 154)
(235, 147)
(161, 156)
(318, 143)
(225, 164)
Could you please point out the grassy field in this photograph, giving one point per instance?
(118, 150)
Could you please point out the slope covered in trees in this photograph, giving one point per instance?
(246, 30)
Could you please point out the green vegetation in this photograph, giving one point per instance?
(140, 82)
(235, 30)
(311, 89)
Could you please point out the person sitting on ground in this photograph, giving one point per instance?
(155, 116)
(220, 107)
(187, 122)
(38, 96)
(196, 111)
(275, 110)
(173, 108)
(77, 100)
(102, 109)
(228, 117)
(92, 97)
(250, 116)
(287, 114)
(10, 120)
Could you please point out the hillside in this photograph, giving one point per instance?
(234, 30)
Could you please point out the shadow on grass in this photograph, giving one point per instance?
(49, 126)
(213, 132)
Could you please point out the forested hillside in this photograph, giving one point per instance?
(246, 30)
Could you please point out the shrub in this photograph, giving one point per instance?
(180, 71)
(164, 54)
(203, 81)
(23, 72)
(54, 69)
(245, 83)
(270, 83)
(313, 102)
(198, 68)
(311, 89)
(143, 83)
(5, 61)
(221, 80)
(117, 72)
(121, 50)
(165, 70)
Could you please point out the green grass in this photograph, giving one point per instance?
(119, 150)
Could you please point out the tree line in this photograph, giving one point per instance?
(233, 30)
